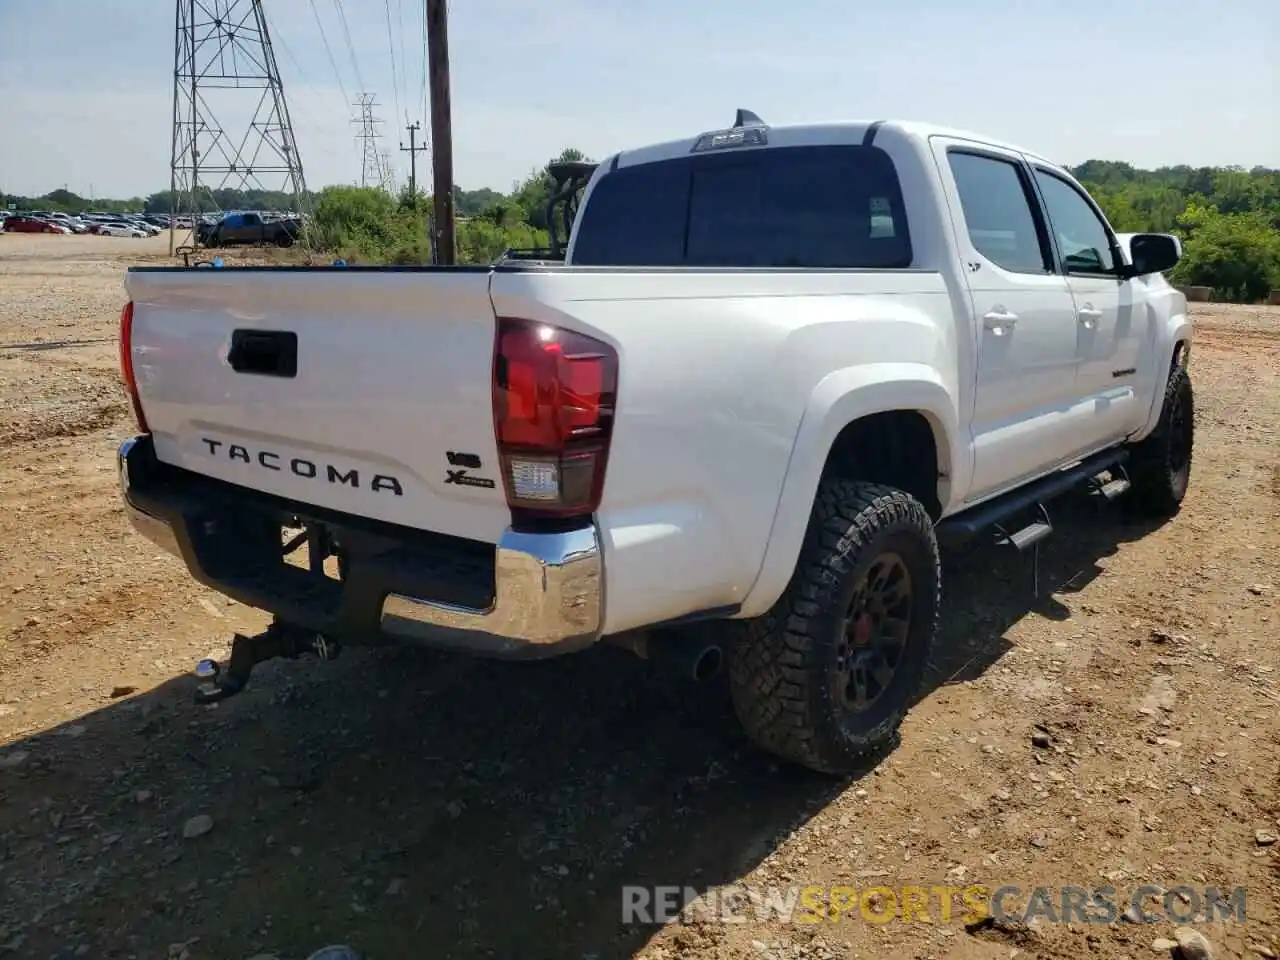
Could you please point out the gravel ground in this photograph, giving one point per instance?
(1121, 731)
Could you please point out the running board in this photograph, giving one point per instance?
(996, 513)
(965, 526)
(1117, 485)
(1028, 538)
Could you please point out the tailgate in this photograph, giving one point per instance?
(361, 391)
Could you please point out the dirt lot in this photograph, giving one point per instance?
(420, 806)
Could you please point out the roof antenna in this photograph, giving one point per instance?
(746, 118)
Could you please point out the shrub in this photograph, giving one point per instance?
(366, 224)
(1238, 254)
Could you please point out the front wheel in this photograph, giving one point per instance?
(1160, 464)
(825, 678)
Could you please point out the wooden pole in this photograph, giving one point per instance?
(413, 150)
(441, 130)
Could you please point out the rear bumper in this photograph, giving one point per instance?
(533, 595)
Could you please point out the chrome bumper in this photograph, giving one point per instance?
(548, 588)
(549, 592)
(154, 529)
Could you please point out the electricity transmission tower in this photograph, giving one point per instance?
(373, 171)
(231, 126)
(389, 182)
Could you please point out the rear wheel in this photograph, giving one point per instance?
(826, 677)
(1160, 465)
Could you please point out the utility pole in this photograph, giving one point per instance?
(443, 247)
(413, 152)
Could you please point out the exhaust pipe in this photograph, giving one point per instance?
(680, 654)
(708, 663)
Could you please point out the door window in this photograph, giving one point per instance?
(998, 212)
(1082, 237)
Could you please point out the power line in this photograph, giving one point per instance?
(422, 75)
(305, 115)
(346, 98)
(346, 34)
(309, 119)
(391, 49)
(404, 63)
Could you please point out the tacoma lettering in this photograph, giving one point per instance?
(301, 467)
(336, 476)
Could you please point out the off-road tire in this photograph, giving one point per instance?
(1159, 471)
(783, 668)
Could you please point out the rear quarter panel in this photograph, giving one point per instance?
(718, 369)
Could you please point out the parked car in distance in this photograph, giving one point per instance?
(30, 224)
(63, 220)
(121, 230)
(255, 228)
(59, 219)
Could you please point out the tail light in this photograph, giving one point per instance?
(553, 397)
(126, 365)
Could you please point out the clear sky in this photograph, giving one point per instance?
(86, 85)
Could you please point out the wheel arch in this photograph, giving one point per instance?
(853, 419)
(1175, 351)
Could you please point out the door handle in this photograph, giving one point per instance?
(999, 321)
(271, 353)
(1089, 316)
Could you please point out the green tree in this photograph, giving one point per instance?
(1238, 254)
(360, 221)
(473, 203)
(483, 241)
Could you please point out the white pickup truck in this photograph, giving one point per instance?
(775, 368)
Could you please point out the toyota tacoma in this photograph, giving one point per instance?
(770, 369)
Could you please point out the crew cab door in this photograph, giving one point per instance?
(1113, 324)
(249, 229)
(1023, 314)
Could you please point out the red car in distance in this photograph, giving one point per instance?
(32, 225)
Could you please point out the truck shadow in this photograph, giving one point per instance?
(414, 805)
(988, 588)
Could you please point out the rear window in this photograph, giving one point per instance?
(777, 207)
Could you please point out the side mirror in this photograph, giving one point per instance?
(1152, 253)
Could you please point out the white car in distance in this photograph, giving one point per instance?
(120, 230)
